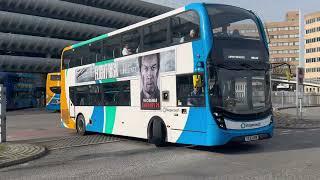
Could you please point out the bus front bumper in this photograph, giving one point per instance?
(221, 136)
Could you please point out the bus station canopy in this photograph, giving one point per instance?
(33, 33)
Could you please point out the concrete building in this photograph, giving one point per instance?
(284, 41)
(33, 32)
(312, 49)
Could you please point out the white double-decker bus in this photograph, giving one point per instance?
(190, 76)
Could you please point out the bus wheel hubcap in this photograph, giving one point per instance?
(80, 125)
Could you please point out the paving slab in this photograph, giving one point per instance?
(287, 118)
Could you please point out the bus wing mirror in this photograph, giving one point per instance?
(197, 82)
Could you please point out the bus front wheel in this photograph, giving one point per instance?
(81, 125)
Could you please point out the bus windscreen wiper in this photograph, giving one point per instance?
(250, 67)
(228, 67)
(239, 67)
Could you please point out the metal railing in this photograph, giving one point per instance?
(284, 99)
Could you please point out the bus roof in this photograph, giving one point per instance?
(147, 21)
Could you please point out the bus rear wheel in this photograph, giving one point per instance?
(81, 125)
(157, 133)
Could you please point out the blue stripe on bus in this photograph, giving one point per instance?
(194, 131)
(204, 45)
(263, 32)
(218, 136)
(97, 118)
(54, 107)
(196, 125)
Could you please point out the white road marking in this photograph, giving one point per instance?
(299, 131)
(285, 131)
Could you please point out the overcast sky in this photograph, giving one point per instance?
(268, 10)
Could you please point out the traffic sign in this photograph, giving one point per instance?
(300, 75)
(300, 91)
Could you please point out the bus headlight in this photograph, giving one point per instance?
(220, 120)
(55, 101)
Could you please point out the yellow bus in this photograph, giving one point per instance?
(53, 91)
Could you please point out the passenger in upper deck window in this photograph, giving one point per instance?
(126, 50)
(192, 35)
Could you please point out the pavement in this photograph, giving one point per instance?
(287, 119)
(29, 124)
(13, 153)
(34, 123)
(31, 133)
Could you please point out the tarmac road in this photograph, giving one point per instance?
(291, 154)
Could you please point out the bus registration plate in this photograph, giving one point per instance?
(251, 138)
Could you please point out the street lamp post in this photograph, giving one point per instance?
(2, 114)
(300, 69)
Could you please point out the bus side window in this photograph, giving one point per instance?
(124, 95)
(95, 95)
(116, 94)
(68, 59)
(109, 90)
(76, 60)
(82, 96)
(72, 95)
(111, 47)
(185, 27)
(85, 54)
(95, 51)
(155, 35)
(187, 94)
(130, 42)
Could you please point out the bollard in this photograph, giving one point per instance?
(3, 125)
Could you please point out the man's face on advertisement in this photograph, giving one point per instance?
(149, 73)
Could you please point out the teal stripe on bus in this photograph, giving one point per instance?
(108, 80)
(104, 62)
(110, 115)
(89, 41)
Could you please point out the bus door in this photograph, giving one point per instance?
(182, 106)
(72, 100)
